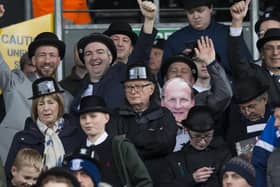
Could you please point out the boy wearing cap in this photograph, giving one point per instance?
(238, 173)
(119, 163)
(200, 161)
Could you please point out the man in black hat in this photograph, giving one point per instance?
(156, 55)
(200, 161)
(97, 51)
(268, 47)
(247, 114)
(124, 38)
(150, 127)
(199, 15)
(269, 19)
(45, 52)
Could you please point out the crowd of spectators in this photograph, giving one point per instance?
(136, 110)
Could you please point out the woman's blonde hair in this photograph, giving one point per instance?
(56, 96)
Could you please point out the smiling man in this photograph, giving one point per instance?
(45, 52)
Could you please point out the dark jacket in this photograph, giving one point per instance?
(153, 133)
(71, 83)
(273, 169)
(181, 165)
(71, 137)
(241, 68)
(110, 87)
(176, 43)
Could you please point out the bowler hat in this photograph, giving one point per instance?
(46, 38)
(159, 43)
(271, 34)
(85, 159)
(139, 71)
(121, 28)
(44, 86)
(181, 57)
(247, 89)
(58, 172)
(190, 4)
(93, 103)
(200, 119)
(268, 15)
(96, 37)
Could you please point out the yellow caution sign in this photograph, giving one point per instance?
(14, 39)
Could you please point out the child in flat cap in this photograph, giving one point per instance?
(200, 161)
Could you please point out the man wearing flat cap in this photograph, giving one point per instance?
(268, 47)
(199, 16)
(200, 161)
(150, 127)
(98, 51)
(46, 52)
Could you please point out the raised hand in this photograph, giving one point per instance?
(205, 51)
(238, 12)
(148, 9)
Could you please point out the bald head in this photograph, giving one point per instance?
(178, 98)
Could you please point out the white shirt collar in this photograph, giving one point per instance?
(99, 140)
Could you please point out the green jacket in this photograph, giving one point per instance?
(131, 168)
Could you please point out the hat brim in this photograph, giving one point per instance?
(175, 59)
(41, 95)
(241, 100)
(56, 43)
(132, 35)
(262, 41)
(94, 109)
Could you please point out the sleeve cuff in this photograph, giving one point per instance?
(235, 31)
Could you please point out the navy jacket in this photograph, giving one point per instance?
(71, 137)
(110, 87)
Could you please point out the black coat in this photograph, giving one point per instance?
(71, 137)
(179, 166)
(153, 133)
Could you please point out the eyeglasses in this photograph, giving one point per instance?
(271, 48)
(199, 138)
(137, 88)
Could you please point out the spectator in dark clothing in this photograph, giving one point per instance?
(72, 83)
(200, 161)
(98, 52)
(238, 173)
(150, 127)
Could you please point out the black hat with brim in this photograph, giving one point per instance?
(44, 39)
(96, 37)
(122, 28)
(247, 89)
(44, 86)
(270, 35)
(139, 71)
(179, 58)
(93, 103)
(269, 15)
(200, 119)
